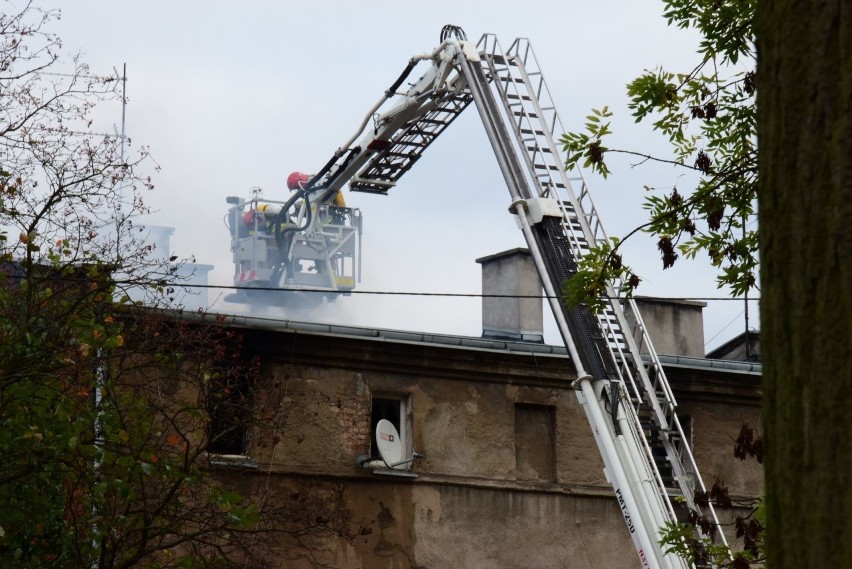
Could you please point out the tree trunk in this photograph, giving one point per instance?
(805, 137)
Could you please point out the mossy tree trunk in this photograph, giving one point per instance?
(805, 139)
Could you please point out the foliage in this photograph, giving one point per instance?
(105, 423)
(708, 116)
(703, 551)
(105, 403)
(62, 186)
(105, 450)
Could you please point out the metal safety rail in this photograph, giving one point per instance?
(528, 108)
(407, 145)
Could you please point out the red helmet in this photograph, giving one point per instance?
(296, 179)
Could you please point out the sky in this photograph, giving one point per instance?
(229, 96)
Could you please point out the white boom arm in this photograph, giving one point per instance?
(625, 394)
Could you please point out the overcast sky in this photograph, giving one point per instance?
(228, 98)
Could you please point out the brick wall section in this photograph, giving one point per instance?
(353, 413)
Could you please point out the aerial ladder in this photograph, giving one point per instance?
(620, 382)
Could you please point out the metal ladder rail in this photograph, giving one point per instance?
(530, 124)
(513, 171)
(534, 121)
(407, 146)
(676, 448)
(638, 427)
(539, 120)
(523, 52)
(658, 392)
(629, 464)
(523, 120)
(640, 339)
(674, 441)
(539, 112)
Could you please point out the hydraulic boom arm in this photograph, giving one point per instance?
(623, 391)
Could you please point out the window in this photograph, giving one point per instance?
(686, 427)
(534, 442)
(394, 408)
(228, 405)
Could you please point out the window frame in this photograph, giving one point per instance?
(238, 402)
(403, 428)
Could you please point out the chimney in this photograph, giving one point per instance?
(188, 274)
(511, 273)
(160, 237)
(676, 327)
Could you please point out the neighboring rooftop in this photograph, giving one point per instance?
(742, 348)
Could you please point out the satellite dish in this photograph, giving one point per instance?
(388, 443)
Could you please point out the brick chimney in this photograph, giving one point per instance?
(511, 273)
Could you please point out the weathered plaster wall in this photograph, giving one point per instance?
(718, 405)
(462, 428)
(433, 526)
(470, 505)
(715, 427)
(474, 527)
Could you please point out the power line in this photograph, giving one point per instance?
(416, 293)
(154, 283)
(725, 327)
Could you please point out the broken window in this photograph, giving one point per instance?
(228, 405)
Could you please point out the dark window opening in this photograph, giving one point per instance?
(388, 409)
(686, 427)
(228, 406)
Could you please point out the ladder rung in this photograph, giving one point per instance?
(431, 121)
(412, 143)
(419, 132)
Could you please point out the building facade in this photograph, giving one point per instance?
(506, 474)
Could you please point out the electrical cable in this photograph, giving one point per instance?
(725, 327)
(153, 283)
(416, 293)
